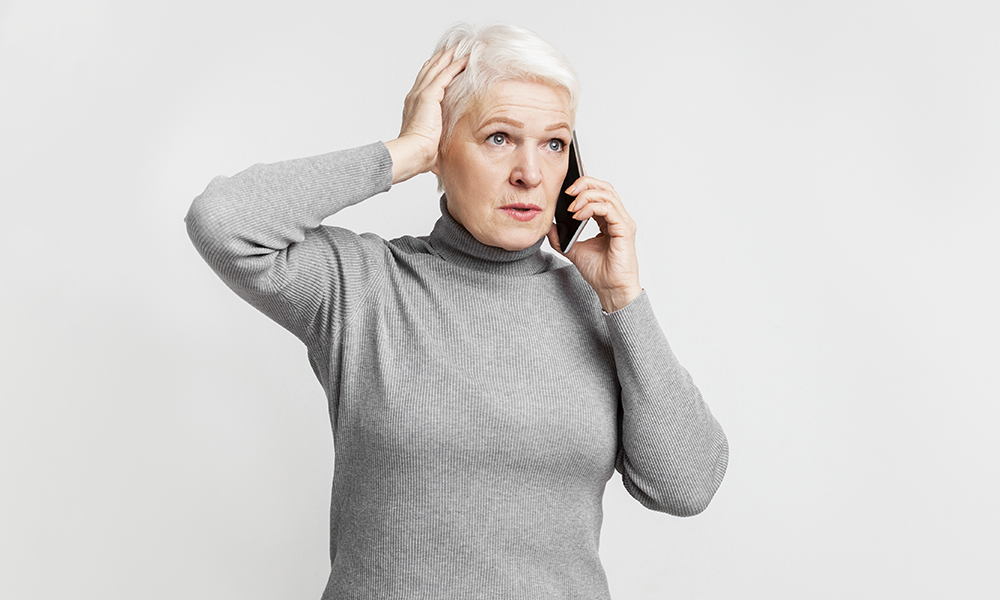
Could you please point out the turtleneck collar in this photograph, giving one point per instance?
(456, 245)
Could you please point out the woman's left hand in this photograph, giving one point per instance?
(606, 261)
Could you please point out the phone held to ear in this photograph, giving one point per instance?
(567, 227)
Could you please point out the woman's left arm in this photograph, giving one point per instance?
(673, 452)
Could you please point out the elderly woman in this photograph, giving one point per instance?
(481, 391)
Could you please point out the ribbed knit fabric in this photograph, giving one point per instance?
(480, 399)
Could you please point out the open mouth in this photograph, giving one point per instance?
(522, 212)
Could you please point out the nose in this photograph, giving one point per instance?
(526, 171)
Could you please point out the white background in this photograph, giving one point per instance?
(817, 186)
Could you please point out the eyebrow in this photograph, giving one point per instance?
(505, 120)
(520, 125)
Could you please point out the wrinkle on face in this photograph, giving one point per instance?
(480, 177)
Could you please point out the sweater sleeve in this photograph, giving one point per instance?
(673, 453)
(260, 231)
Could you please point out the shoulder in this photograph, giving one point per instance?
(371, 247)
(340, 239)
(409, 245)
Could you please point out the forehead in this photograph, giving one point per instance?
(529, 102)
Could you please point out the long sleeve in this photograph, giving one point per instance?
(673, 452)
(260, 231)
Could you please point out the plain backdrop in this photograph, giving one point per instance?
(817, 187)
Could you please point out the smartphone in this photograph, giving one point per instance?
(567, 227)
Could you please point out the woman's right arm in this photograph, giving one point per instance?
(260, 232)
(260, 229)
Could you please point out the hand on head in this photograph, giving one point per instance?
(608, 261)
(415, 150)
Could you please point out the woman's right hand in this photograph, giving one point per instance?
(415, 150)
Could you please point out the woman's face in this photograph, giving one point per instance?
(504, 164)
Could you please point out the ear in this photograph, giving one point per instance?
(438, 159)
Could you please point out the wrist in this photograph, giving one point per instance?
(618, 298)
(410, 157)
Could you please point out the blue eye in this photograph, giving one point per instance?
(556, 145)
(498, 139)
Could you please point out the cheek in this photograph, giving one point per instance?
(555, 180)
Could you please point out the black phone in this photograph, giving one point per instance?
(567, 227)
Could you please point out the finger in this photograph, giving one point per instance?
(598, 191)
(618, 224)
(603, 209)
(589, 187)
(418, 81)
(431, 62)
(430, 95)
(589, 183)
(433, 68)
(449, 73)
(433, 87)
(587, 196)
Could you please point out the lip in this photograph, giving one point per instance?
(522, 212)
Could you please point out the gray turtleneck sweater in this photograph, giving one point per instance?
(480, 399)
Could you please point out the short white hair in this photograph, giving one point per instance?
(498, 53)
